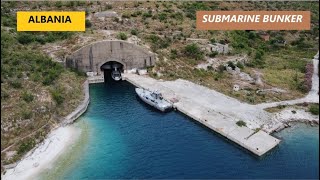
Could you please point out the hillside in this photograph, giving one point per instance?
(36, 93)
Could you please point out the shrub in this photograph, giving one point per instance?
(213, 54)
(40, 39)
(88, 23)
(240, 65)
(57, 96)
(241, 123)
(26, 146)
(26, 114)
(314, 109)
(58, 4)
(259, 54)
(162, 16)
(147, 15)
(231, 64)
(122, 36)
(25, 38)
(212, 40)
(16, 84)
(178, 16)
(70, 4)
(158, 42)
(193, 51)
(221, 68)
(173, 53)
(134, 32)
(28, 97)
(125, 15)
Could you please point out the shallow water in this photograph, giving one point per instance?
(129, 139)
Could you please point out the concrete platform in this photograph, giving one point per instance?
(199, 107)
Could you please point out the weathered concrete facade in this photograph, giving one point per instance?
(91, 57)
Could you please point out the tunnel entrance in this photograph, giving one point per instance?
(112, 71)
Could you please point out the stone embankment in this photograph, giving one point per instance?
(81, 108)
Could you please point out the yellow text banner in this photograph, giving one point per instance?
(51, 21)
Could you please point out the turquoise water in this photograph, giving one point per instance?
(128, 139)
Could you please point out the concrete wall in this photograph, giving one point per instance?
(91, 57)
(81, 108)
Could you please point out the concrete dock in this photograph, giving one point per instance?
(214, 110)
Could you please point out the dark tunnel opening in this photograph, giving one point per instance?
(112, 71)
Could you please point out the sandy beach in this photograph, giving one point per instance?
(45, 154)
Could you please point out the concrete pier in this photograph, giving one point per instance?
(200, 105)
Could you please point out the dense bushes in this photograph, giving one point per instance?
(190, 8)
(42, 37)
(26, 146)
(193, 51)
(301, 43)
(25, 38)
(37, 67)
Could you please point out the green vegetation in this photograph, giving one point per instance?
(28, 97)
(57, 96)
(42, 37)
(257, 130)
(26, 146)
(88, 23)
(134, 32)
(241, 123)
(314, 109)
(122, 36)
(158, 42)
(27, 78)
(193, 51)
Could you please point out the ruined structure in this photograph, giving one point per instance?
(94, 57)
(217, 47)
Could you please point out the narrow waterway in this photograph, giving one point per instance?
(125, 138)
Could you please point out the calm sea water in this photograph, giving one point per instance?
(128, 139)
